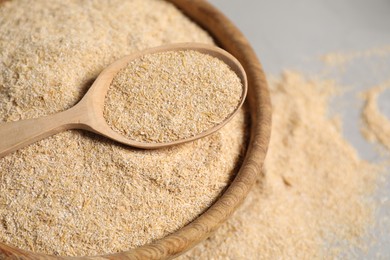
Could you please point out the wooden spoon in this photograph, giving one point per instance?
(88, 113)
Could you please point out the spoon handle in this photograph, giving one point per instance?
(15, 135)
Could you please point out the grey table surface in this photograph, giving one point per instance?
(294, 34)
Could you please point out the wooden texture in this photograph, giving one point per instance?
(88, 113)
(258, 101)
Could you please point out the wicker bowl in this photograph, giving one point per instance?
(231, 39)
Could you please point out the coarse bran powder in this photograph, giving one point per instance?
(77, 193)
(169, 96)
(308, 202)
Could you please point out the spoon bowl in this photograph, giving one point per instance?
(88, 113)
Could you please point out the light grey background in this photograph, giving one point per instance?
(294, 34)
(284, 32)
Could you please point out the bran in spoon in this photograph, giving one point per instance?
(169, 96)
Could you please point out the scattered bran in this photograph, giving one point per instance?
(310, 202)
(169, 96)
(340, 59)
(376, 126)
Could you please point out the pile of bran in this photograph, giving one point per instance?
(77, 193)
